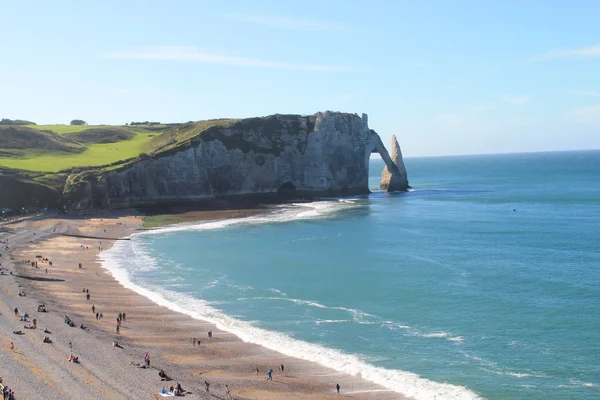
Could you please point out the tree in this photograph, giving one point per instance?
(78, 122)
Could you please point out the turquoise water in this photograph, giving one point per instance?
(446, 282)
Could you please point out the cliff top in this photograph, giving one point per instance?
(56, 148)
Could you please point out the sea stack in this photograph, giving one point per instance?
(397, 180)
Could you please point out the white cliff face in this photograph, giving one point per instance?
(327, 153)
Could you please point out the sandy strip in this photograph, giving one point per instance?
(41, 370)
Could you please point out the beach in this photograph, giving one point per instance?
(34, 369)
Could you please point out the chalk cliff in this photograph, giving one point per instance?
(394, 179)
(323, 154)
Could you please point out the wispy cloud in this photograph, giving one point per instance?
(587, 115)
(192, 54)
(589, 93)
(518, 100)
(583, 52)
(287, 23)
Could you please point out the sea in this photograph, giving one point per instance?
(481, 282)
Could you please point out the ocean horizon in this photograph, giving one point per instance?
(480, 282)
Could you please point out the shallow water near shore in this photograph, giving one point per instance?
(443, 291)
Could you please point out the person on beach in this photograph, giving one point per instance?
(282, 369)
(207, 386)
(270, 374)
(93, 309)
(70, 346)
(97, 316)
(337, 387)
(117, 329)
(147, 360)
(87, 296)
(194, 342)
(257, 371)
(101, 316)
(209, 334)
(227, 392)
(124, 317)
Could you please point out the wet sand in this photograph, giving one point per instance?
(41, 370)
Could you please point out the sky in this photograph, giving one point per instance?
(446, 77)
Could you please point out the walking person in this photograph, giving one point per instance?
(337, 387)
(270, 374)
(207, 386)
(147, 360)
(93, 308)
(227, 392)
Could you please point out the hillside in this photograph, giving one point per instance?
(52, 148)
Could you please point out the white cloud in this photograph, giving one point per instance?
(589, 93)
(192, 54)
(586, 115)
(584, 52)
(515, 99)
(287, 23)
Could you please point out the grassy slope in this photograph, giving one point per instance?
(61, 129)
(94, 154)
(85, 146)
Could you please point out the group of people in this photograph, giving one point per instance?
(175, 391)
(7, 393)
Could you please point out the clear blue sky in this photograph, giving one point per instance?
(447, 77)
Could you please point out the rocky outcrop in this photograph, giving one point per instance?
(394, 177)
(323, 154)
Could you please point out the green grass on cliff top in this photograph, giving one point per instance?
(36, 159)
(61, 129)
(150, 140)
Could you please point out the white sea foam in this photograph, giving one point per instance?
(435, 335)
(285, 213)
(404, 382)
(331, 321)
(277, 291)
(577, 382)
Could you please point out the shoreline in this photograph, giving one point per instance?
(166, 334)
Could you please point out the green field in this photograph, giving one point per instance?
(53, 148)
(94, 155)
(61, 129)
